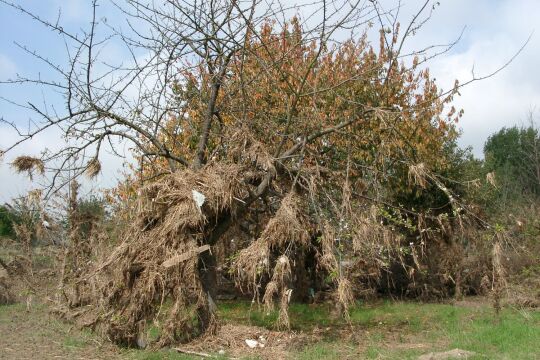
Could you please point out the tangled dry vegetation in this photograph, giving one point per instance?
(156, 276)
(275, 156)
(6, 295)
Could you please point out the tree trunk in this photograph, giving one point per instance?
(207, 311)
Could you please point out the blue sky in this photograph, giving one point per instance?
(495, 30)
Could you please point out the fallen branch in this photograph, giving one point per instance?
(189, 352)
(175, 260)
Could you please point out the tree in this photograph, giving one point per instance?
(244, 119)
(513, 154)
(6, 222)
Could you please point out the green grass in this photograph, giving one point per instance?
(404, 330)
(381, 330)
(303, 317)
(159, 355)
(320, 351)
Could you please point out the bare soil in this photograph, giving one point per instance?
(29, 331)
(36, 334)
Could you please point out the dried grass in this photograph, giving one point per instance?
(93, 168)
(499, 276)
(249, 150)
(251, 263)
(345, 296)
(272, 289)
(6, 295)
(231, 337)
(131, 283)
(283, 321)
(418, 175)
(29, 165)
(285, 230)
(287, 226)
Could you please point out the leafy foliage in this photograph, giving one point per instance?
(514, 155)
(7, 219)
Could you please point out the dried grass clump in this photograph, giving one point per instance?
(499, 277)
(169, 203)
(285, 230)
(283, 321)
(279, 285)
(418, 175)
(247, 149)
(28, 164)
(345, 296)
(329, 260)
(281, 276)
(288, 225)
(371, 238)
(6, 295)
(93, 168)
(139, 276)
(251, 263)
(272, 289)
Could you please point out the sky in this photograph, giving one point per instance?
(494, 32)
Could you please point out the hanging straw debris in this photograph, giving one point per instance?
(28, 164)
(157, 260)
(280, 280)
(490, 178)
(345, 296)
(418, 175)
(93, 168)
(250, 150)
(498, 277)
(288, 224)
(283, 321)
(287, 228)
(251, 263)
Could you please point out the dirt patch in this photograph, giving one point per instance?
(446, 355)
(267, 344)
(396, 339)
(28, 330)
(6, 295)
(474, 302)
(37, 334)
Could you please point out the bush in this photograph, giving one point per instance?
(7, 219)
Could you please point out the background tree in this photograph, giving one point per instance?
(6, 222)
(513, 155)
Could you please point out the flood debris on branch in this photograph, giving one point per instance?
(272, 153)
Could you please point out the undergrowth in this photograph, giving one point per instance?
(381, 330)
(404, 330)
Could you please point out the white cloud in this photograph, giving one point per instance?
(495, 32)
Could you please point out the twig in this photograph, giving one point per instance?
(189, 352)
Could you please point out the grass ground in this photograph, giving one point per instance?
(384, 330)
(378, 330)
(405, 330)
